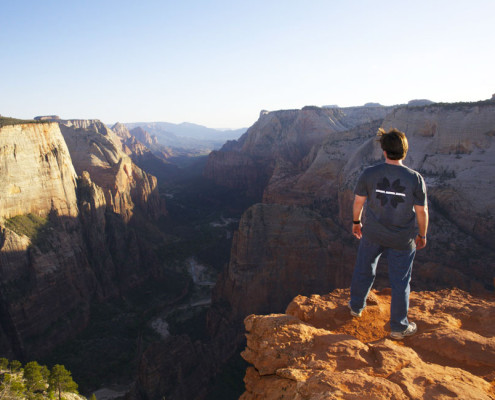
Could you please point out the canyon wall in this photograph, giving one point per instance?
(36, 170)
(70, 200)
(302, 166)
(298, 240)
(46, 281)
(279, 141)
(96, 149)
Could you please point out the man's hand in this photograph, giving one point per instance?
(356, 230)
(420, 242)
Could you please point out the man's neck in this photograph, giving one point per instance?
(393, 162)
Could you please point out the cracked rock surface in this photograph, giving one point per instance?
(318, 351)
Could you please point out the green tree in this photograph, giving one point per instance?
(45, 372)
(12, 387)
(4, 363)
(61, 381)
(33, 377)
(15, 366)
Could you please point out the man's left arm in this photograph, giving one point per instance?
(422, 218)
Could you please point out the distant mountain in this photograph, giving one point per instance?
(165, 131)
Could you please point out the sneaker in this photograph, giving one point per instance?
(354, 313)
(410, 330)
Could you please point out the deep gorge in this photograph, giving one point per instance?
(127, 239)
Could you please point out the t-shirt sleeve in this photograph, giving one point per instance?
(361, 189)
(419, 193)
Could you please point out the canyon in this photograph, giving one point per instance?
(70, 203)
(298, 237)
(96, 198)
(301, 166)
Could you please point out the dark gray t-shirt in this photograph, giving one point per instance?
(392, 191)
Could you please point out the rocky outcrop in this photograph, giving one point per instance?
(46, 281)
(279, 251)
(66, 241)
(149, 155)
(278, 142)
(36, 171)
(453, 146)
(95, 149)
(143, 136)
(130, 145)
(317, 350)
(298, 240)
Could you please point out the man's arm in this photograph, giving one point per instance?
(422, 218)
(357, 211)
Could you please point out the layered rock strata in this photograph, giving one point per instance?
(299, 241)
(46, 280)
(36, 170)
(317, 350)
(281, 140)
(66, 240)
(95, 149)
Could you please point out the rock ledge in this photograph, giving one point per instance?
(317, 350)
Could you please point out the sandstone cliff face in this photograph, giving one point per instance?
(36, 171)
(299, 240)
(130, 145)
(46, 281)
(140, 146)
(143, 136)
(269, 261)
(454, 147)
(66, 241)
(280, 140)
(96, 149)
(317, 350)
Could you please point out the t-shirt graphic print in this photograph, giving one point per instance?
(385, 191)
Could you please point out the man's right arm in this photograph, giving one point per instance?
(422, 218)
(357, 211)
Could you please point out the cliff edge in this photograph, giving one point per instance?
(317, 350)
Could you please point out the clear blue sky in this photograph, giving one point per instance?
(219, 62)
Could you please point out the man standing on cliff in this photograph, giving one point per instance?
(396, 200)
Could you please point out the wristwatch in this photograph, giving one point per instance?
(422, 237)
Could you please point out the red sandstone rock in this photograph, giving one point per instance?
(314, 188)
(317, 350)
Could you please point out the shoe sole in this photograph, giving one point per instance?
(354, 313)
(402, 335)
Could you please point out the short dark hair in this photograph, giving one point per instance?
(394, 143)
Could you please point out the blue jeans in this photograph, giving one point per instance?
(399, 270)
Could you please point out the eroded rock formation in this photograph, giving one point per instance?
(36, 171)
(64, 240)
(298, 240)
(317, 350)
(278, 142)
(46, 280)
(95, 148)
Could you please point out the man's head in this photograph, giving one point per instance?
(394, 143)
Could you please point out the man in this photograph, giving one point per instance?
(396, 200)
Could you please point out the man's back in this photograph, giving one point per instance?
(392, 191)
